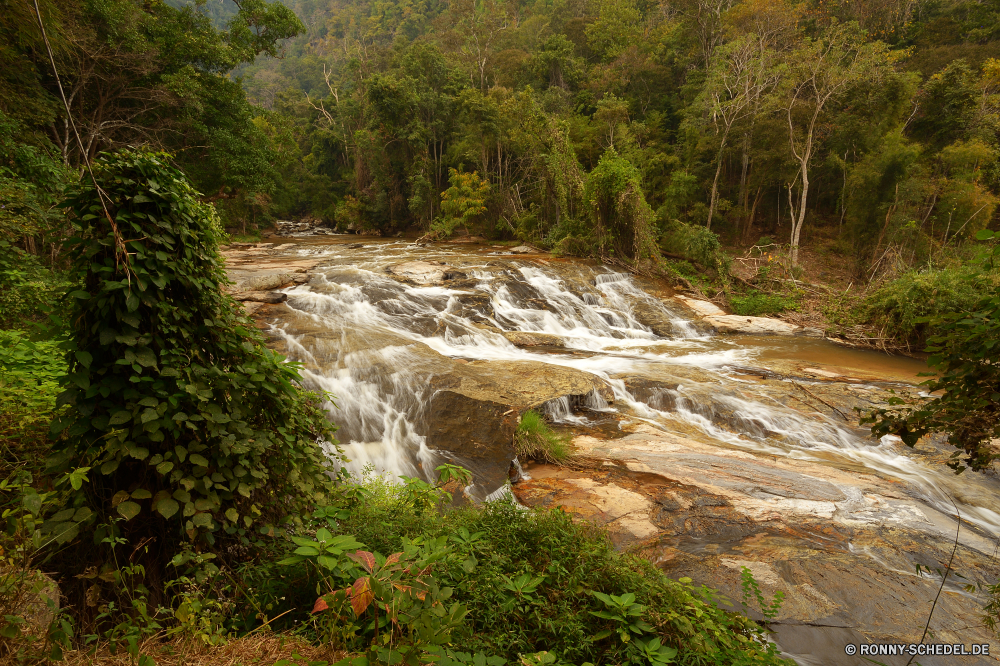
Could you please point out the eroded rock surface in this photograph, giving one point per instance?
(840, 545)
(731, 323)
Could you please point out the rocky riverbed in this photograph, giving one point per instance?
(706, 443)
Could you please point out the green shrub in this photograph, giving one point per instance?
(29, 382)
(757, 304)
(623, 221)
(964, 348)
(694, 242)
(531, 581)
(191, 429)
(535, 440)
(899, 309)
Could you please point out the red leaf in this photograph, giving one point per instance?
(365, 559)
(392, 559)
(361, 595)
(320, 605)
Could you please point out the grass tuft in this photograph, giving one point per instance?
(535, 440)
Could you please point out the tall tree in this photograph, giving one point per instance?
(823, 70)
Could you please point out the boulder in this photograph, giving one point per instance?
(752, 325)
(532, 339)
(424, 272)
(474, 410)
(701, 308)
(523, 249)
(262, 296)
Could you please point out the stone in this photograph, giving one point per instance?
(751, 325)
(424, 272)
(701, 308)
(523, 249)
(473, 411)
(262, 296)
(532, 339)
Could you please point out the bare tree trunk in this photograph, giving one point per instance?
(715, 181)
(799, 216)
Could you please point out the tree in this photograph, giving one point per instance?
(462, 203)
(742, 74)
(622, 218)
(823, 70)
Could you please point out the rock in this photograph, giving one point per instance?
(262, 296)
(810, 332)
(354, 246)
(523, 249)
(701, 308)
(307, 226)
(752, 325)
(839, 545)
(474, 410)
(526, 339)
(425, 272)
(34, 596)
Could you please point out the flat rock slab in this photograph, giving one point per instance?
(840, 546)
(524, 249)
(261, 296)
(701, 308)
(752, 325)
(424, 272)
(531, 339)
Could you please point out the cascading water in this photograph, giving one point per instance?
(374, 342)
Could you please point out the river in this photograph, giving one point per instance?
(720, 451)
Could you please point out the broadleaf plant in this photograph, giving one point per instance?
(190, 426)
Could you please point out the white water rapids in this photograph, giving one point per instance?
(374, 342)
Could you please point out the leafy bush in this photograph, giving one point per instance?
(904, 309)
(191, 429)
(530, 581)
(623, 221)
(462, 204)
(29, 383)
(534, 439)
(966, 404)
(694, 242)
(757, 304)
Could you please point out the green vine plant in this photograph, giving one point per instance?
(191, 429)
(751, 592)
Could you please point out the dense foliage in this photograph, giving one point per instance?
(966, 385)
(513, 584)
(879, 118)
(190, 428)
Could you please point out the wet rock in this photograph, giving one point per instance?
(474, 408)
(306, 226)
(657, 321)
(261, 296)
(268, 282)
(526, 339)
(424, 272)
(523, 249)
(840, 546)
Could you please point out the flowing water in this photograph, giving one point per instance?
(375, 342)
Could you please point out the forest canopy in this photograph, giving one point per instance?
(752, 118)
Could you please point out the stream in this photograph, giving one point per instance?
(720, 451)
